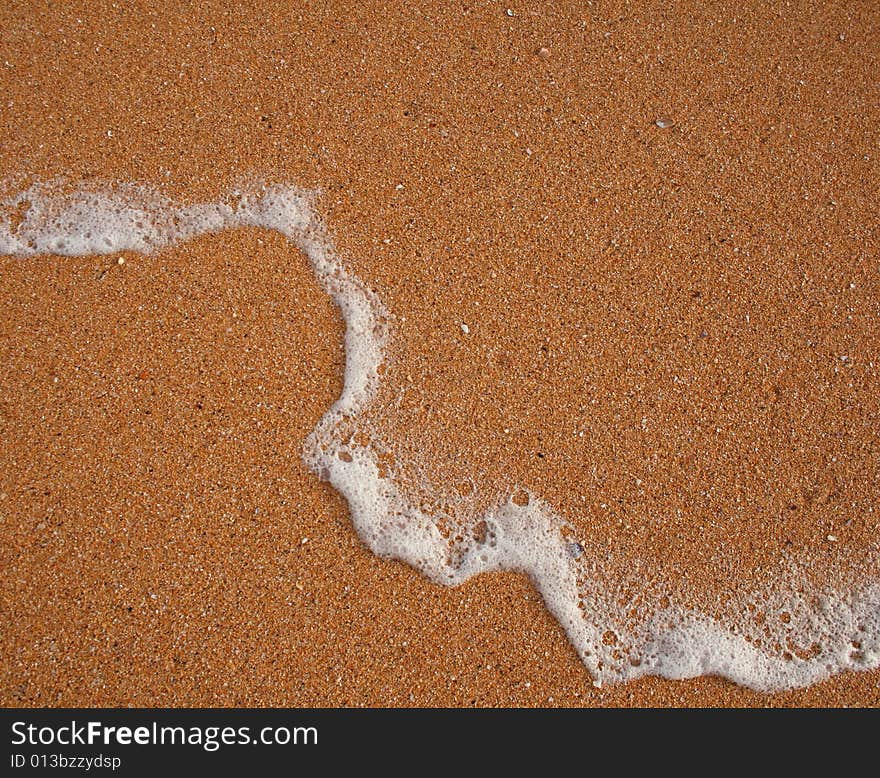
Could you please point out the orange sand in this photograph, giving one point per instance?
(153, 503)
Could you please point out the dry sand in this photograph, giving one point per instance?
(163, 543)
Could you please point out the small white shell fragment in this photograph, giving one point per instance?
(664, 122)
(465, 329)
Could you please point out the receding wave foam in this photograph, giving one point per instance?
(825, 631)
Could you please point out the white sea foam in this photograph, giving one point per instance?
(841, 628)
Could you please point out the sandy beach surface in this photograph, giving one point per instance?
(631, 254)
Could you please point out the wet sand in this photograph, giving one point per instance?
(166, 546)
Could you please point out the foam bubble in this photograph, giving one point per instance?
(825, 632)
